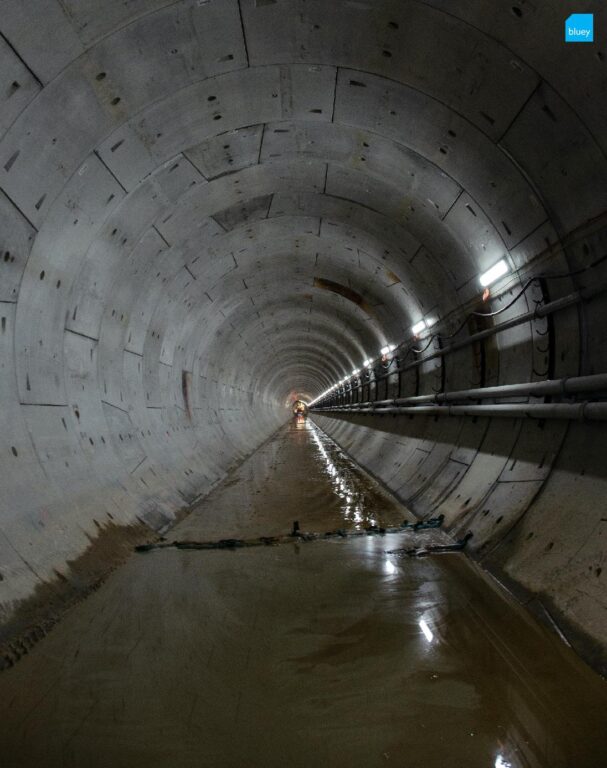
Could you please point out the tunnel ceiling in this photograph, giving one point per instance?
(182, 167)
(181, 181)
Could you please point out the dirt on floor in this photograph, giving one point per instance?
(35, 616)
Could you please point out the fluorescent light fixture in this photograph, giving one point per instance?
(419, 327)
(426, 630)
(385, 350)
(493, 274)
(368, 363)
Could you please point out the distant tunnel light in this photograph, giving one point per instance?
(419, 327)
(368, 363)
(385, 350)
(356, 372)
(493, 274)
(426, 630)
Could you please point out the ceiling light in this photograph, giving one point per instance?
(368, 363)
(385, 350)
(355, 373)
(493, 274)
(419, 327)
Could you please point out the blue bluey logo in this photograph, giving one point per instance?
(579, 28)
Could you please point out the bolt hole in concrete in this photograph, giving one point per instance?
(336, 654)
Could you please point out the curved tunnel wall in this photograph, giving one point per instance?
(180, 186)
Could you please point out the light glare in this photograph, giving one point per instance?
(419, 327)
(426, 630)
(493, 274)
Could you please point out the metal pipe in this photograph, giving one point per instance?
(586, 411)
(553, 306)
(550, 388)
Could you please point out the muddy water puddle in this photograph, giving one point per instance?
(299, 474)
(336, 654)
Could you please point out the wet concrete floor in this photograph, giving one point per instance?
(329, 653)
(300, 474)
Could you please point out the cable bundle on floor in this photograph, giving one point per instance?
(297, 535)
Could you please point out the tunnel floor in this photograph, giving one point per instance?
(329, 653)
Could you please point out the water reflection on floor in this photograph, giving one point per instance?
(345, 477)
(332, 653)
(299, 474)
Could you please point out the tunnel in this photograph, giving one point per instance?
(391, 212)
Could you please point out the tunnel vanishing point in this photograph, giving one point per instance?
(394, 211)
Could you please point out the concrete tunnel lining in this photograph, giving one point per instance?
(172, 178)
